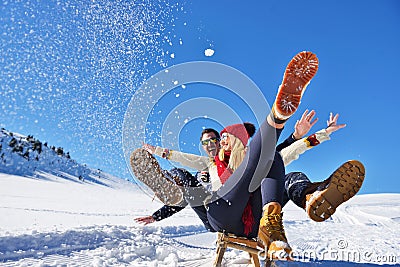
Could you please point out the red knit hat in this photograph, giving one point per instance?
(242, 131)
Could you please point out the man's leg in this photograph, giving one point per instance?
(296, 186)
(187, 180)
(184, 178)
(320, 199)
(202, 214)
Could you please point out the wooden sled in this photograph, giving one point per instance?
(251, 246)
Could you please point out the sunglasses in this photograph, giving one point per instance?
(208, 141)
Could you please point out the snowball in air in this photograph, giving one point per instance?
(208, 52)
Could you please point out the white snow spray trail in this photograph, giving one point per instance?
(69, 68)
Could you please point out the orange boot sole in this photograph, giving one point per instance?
(298, 74)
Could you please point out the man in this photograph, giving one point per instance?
(210, 142)
(320, 200)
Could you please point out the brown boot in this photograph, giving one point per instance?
(272, 234)
(323, 198)
(147, 170)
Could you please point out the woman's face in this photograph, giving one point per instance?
(226, 142)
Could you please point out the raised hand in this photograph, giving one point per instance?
(145, 220)
(332, 124)
(304, 125)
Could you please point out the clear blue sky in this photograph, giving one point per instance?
(69, 70)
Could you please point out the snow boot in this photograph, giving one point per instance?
(298, 74)
(342, 185)
(272, 234)
(146, 168)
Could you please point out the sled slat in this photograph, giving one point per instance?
(248, 245)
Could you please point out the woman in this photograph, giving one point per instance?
(241, 210)
(251, 168)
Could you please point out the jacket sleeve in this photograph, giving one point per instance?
(165, 212)
(288, 141)
(197, 162)
(293, 151)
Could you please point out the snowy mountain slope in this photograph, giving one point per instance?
(59, 222)
(29, 157)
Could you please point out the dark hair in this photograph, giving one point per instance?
(209, 130)
(250, 128)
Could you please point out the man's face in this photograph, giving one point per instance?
(210, 144)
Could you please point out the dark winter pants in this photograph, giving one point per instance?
(189, 181)
(296, 184)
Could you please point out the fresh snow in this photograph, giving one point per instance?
(53, 221)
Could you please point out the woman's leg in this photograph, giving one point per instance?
(225, 214)
(271, 231)
(270, 191)
(272, 187)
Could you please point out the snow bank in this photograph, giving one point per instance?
(58, 222)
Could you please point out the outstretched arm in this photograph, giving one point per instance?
(304, 125)
(293, 151)
(332, 125)
(161, 214)
(197, 162)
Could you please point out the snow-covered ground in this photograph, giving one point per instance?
(52, 221)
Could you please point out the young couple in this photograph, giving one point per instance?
(248, 182)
